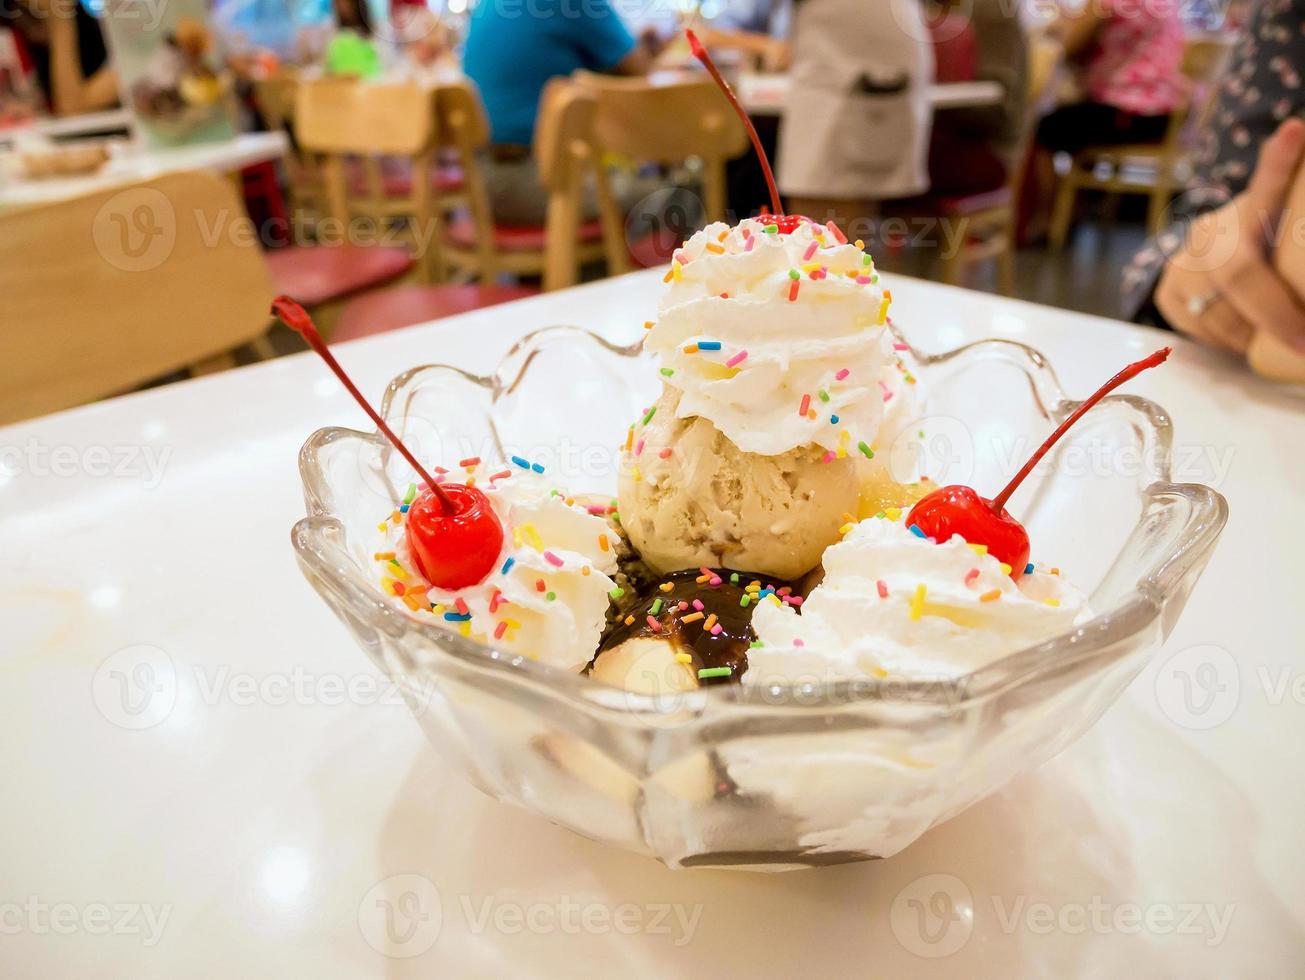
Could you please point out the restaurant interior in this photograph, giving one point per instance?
(944, 221)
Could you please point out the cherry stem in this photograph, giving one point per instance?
(701, 54)
(1130, 372)
(297, 319)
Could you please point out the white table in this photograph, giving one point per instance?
(765, 94)
(135, 163)
(60, 127)
(258, 825)
(70, 127)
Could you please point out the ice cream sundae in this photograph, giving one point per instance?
(757, 536)
(776, 361)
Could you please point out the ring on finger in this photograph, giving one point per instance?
(1197, 305)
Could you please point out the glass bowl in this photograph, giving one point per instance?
(757, 777)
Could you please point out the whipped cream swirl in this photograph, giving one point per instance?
(547, 596)
(893, 604)
(777, 340)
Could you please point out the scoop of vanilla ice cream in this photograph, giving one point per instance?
(690, 497)
(547, 541)
(893, 604)
(799, 320)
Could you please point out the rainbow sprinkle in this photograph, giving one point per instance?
(917, 602)
(737, 359)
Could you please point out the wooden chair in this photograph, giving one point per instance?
(397, 122)
(985, 225)
(1153, 169)
(669, 122)
(105, 292)
(358, 130)
(566, 155)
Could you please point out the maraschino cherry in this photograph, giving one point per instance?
(453, 533)
(785, 224)
(960, 510)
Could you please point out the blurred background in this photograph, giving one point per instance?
(166, 166)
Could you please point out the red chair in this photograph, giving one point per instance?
(955, 48)
(402, 306)
(566, 155)
(316, 275)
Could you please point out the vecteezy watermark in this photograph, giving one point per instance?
(936, 914)
(135, 230)
(37, 917)
(139, 687)
(136, 687)
(1101, 917)
(148, 12)
(125, 461)
(404, 915)
(933, 916)
(1198, 687)
(1201, 687)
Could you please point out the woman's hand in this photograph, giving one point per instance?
(1220, 287)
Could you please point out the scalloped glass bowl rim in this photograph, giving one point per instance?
(1098, 637)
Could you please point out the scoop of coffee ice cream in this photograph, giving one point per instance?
(689, 497)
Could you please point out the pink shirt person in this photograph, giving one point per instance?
(1135, 62)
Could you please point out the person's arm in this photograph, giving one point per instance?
(607, 44)
(1220, 287)
(1173, 281)
(70, 92)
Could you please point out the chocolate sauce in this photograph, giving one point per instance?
(726, 648)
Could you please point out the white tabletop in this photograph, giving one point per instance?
(255, 814)
(764, 94)
(63, 127)
(137, 163)
(85, 123)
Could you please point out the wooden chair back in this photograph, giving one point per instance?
(105, 292)
(344, 115)
(568, 157)
(1203, 61)
(352, 123)
(668, 122)
(565, 155)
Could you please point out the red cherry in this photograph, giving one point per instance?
(785, 223)
(453, 532)
(454, 549)
(960, 510)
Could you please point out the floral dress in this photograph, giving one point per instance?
(1261, 87)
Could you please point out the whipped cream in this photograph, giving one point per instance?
(785, 334)
(893, 604)
(548, 538)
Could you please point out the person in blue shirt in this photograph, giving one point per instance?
(513, 48)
